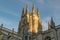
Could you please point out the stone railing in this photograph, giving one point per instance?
(10, 31)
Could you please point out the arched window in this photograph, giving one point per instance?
(48, 38)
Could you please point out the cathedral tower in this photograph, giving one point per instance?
(30, 22)
(40, 24)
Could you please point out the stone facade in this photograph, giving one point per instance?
(7, 34)
(31, 28)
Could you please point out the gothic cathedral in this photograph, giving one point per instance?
(31, 28)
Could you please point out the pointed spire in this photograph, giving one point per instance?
(33, 8)
(51, 18)
(26, 9)
(23, 12)
(52, 22)
(38, 13)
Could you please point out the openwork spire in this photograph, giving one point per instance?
(51, 24)
(52, 19)
(23, 12)
(26, 9)
(38, 13)
(33, 10)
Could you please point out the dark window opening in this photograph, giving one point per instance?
(26, 37)
(29, 38)
(48, 38)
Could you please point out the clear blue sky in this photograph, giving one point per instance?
(10, 11)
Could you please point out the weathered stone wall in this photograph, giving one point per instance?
(58, 33)
(50, 34)
(6, 34)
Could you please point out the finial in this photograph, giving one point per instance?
(12, 30)
(1, 25)
(23, 12)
